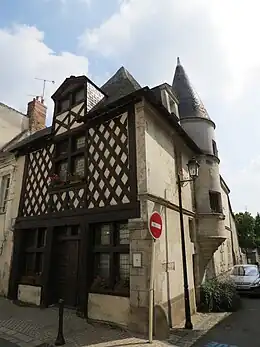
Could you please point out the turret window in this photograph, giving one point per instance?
(214, 148)
(215, 202)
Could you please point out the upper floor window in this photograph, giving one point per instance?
(63, 105)
(214, 148)
(215, 202)
(111, 259)
(5, 186)
(78, 96)
(70, 160)
(71, 99)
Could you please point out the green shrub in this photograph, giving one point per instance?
(219, 296)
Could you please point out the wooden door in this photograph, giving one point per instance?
(65, 270)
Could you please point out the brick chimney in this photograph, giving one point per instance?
(36, 112)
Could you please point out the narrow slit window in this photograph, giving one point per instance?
(215, 202)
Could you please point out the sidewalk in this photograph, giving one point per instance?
(33, 327)
(202, 323)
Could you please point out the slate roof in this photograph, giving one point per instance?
(37, 135)
(120, 88)
(119, 85)
(190, 104)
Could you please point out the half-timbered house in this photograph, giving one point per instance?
(91, 181)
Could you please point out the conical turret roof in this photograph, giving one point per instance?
(190, 104)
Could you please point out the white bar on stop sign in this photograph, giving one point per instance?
(156, 225)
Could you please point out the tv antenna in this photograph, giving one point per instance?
(44, 84)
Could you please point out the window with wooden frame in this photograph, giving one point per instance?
(70, 160)
(34, 242)
(78, 96)
(4, 193)
(111, 259)
(71, 99)
(63, 105)
(215, 202)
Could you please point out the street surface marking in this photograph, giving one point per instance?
(217, 344)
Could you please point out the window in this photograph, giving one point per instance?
(63, 170)
(78, 96)
(191, 230)
(214, 148)
(215, 202)
(111, 259)
(63, 105)
(5, 186)
(34, 241)
(70, 159)
(245, 271)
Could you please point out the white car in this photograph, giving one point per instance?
(246, 278)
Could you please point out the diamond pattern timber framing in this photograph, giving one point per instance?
(110, 179)
(108, 163)
(36, 196)
(68, 120)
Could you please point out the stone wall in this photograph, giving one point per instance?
(15, 169)
(157, 189)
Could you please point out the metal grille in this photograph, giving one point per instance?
(108, 163)
(123, 234)
(36, 196)
(79, 166)
(124, 266)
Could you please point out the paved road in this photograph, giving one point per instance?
(241, 329)
(6, 343)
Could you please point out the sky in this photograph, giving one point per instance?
(217, 42)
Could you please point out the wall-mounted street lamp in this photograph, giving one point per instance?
(193, 168)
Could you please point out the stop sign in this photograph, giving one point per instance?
(155, 225)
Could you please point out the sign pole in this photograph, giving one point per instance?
(151, 294)
(155, 228)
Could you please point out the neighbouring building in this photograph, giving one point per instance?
(91, 181)
(14, 127)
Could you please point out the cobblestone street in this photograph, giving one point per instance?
(32, 327)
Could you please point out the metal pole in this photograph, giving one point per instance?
(188, 323)
(43, 89)
(151, 295)
(60, 341)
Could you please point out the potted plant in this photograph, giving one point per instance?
(55, 179)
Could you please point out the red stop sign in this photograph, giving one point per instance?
(155, 225)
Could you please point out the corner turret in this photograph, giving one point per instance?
(193, 115)
(195, 120)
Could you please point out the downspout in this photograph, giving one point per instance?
(167, 265)
(231, 232)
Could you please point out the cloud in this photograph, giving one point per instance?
(24, 56)
(216, 38)
(217, 42)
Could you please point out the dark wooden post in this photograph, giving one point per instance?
(60, 341)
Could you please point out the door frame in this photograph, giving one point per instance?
(46, 298)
